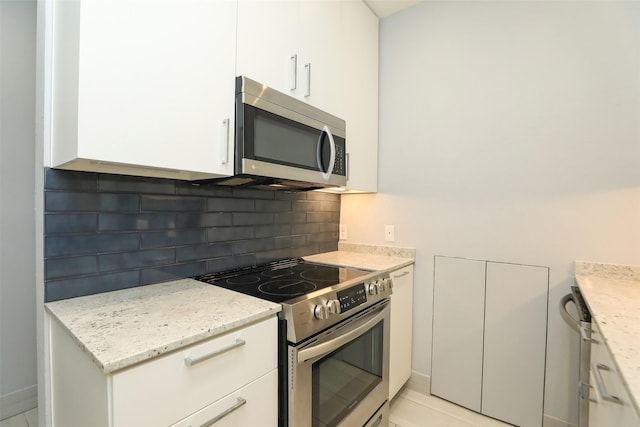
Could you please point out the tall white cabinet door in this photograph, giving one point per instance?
(401, 329)
(515, 343)
(154, 83)
(268, 43)
(458, 324)
(360, 99)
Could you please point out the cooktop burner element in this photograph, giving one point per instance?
(313, 296)
(287, 287)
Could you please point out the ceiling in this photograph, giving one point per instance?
(384, 8)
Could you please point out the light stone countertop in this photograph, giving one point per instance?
(612, 293)
(118, 329)
(366, 257)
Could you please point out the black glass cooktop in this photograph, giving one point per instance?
(282, 280)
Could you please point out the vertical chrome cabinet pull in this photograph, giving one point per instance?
(293, 76)
(602, 390)
(193, 361)
(226, 412)
(224, 146)
(307, 92)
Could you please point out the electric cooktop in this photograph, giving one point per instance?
(284, 280)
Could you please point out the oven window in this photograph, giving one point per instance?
(343, 378)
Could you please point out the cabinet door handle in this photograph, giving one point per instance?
(195, 360)
(293, 76)
(602, 390)
(307, 92)
(224, 146)
(226, 412)
(404, 273)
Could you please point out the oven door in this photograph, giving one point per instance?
(341, 377)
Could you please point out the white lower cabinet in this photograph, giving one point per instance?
(191, 385)
(489, 337)
(252, 405)
(401, 329)
(610, 403)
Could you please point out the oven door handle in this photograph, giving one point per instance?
(357, 329)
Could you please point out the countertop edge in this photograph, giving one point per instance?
(110, 363)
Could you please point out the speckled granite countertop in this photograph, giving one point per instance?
(118, 329)
(367, 257)
(612, 293)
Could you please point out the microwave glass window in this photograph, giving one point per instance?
(277, 140)
(341, 379)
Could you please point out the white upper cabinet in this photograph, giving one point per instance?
(142, 88)
(268, 42)
(360, 95)
(294, 47)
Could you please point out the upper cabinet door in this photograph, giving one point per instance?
(144, 88)
(360, 95)
(294, 47)
(268, 42)
(321, 71)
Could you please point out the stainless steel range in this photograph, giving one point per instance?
(334, 339)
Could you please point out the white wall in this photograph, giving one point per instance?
(17, 218)
(509, 131)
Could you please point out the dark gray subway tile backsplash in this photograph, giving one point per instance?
(107, 232)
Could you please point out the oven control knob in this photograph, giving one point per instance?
(374, 288)
(320, 312)
(390, 283)
(333, 306)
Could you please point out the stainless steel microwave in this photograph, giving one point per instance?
(284, 143)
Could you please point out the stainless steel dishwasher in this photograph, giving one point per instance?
(583, 326)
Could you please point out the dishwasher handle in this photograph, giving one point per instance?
(571, 321)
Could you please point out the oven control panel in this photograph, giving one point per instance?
(312, 315)
(351, 297)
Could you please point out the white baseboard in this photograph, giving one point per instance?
(550, 421)
(420, 383)
(17, 402)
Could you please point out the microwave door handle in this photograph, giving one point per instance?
(332, 161)
(327, 347)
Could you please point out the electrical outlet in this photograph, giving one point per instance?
(343, 232)
(389, 233)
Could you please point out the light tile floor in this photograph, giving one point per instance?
(26, 419)
(412, 409)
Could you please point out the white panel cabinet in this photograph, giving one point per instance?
(458, 329)
(401, 329)
(610, 403)
(360, 98)
(143, 88)
(489, 337)
(515, 336)
(294, 47)
(167, 390)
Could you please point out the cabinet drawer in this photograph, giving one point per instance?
(165, 390)
(255, 404)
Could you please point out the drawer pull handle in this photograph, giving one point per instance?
(404, 273)
(602, 390)
(226, 412)
(195, 360)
